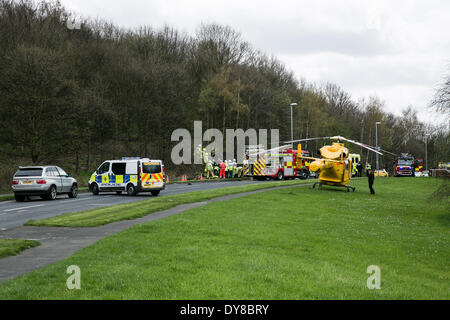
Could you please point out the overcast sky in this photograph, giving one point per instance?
(397, 50)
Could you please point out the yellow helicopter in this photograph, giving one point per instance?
(335, 167)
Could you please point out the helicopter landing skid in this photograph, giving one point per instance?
(347, 187)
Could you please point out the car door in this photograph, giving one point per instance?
(53, 174)
(66, 181)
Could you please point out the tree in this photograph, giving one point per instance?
(441, 99)
(37, 100)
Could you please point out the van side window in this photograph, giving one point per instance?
(118, 168)
(103, 168)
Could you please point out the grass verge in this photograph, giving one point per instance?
(296, 243)
(11, 247)
(7, 197)
(101, 216)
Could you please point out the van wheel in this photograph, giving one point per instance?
(131, 190)
(73, 191)
(19, 198)
(155, 193)
(95, 189)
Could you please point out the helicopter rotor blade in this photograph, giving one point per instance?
(306, 139)
(357, 143)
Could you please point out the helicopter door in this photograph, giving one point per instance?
(288, 166)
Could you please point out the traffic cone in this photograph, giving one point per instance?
(201, 176)
(167, 179)
(183, 177)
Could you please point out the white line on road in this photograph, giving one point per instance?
(38, 205)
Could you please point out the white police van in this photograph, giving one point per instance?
(132, 175)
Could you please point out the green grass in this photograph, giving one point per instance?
(11, 247)
(296, 243)
(100, 216)
(7, 197)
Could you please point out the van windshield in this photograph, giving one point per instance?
(29, 172)
(151, 167)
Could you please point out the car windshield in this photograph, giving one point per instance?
(151, 167)
(29, 172)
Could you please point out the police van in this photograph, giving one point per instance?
(131, 175)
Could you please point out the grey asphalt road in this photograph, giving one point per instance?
(14, 214)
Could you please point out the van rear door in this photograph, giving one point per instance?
(152, 175)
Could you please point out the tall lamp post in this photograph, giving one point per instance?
(426, 151)
(376, 142)
(292, 127)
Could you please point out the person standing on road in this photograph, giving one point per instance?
(371, 178)
(222, 167)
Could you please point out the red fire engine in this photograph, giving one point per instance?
(280, 164)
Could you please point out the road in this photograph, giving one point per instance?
(15, 214)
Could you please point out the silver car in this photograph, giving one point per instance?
(43, 181)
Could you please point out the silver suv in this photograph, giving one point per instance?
(43, 181)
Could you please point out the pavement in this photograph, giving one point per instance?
(58, 243)
(14, 214)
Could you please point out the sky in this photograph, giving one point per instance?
(397, 50)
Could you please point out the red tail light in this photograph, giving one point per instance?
(15, 182)
(41, 182)
(139, 172)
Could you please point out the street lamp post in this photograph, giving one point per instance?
(376, 142)
(292, 127)
(426, 151)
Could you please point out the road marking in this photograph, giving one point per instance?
(38, 205)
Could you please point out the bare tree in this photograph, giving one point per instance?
(441, 99)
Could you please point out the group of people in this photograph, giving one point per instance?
(218, 168)
(228, 169)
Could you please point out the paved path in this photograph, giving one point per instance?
(58, 243)
(15, 214)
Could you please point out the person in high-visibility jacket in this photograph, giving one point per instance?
(222, 167)
(368, 168)
(227, 168)
(209, 169)
(235, 169)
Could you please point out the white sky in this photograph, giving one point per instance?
(398, 50)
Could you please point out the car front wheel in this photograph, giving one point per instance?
(73, 191)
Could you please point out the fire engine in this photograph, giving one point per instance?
(403, 165)
(418, 165)
(279, 164)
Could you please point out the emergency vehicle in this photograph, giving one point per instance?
(403, 165)
(418, 165)
(280, 164)
(130, 174)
